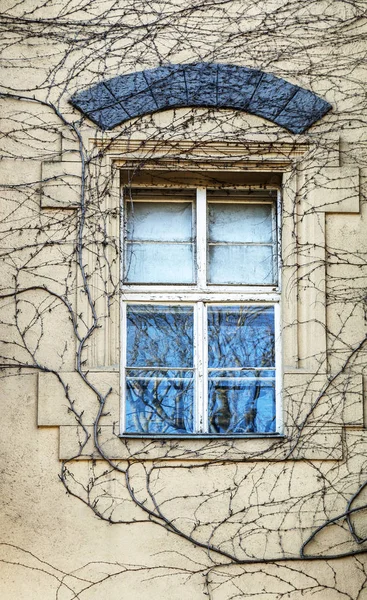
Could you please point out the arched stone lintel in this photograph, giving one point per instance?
(111, 102)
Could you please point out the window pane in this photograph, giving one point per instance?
(160, 375)
(163, 405)
(159, 221)
(159, 242)
(241, 243)
(241, 369)
(159, 263)
(241, 264)
(241, 336)
(247, 223)
(241, 406)
(243, 373)
(160, 336)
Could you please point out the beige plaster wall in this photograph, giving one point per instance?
(86, 514)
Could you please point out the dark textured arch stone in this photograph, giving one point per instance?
(116, 100)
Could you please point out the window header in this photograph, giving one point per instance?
(114, 101)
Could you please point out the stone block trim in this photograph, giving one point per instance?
(335, 190)
(114, 101)
(61, 184)
(325, 419)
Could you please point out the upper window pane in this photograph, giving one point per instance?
(240, 223)
(159, 221)
(159, 263)
(242, 242)
(242, 265)
(159, 241)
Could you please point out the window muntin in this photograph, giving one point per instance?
(229, 384)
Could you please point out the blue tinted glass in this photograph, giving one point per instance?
(160, 336)
(241, 382)
(142, 373)
(159, 405)
(241, 336)
(241, 406)
(159, 373)
(243, 373)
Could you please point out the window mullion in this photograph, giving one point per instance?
(201, 236)
(201, 351)
(204, 382)
(123, 341)
(198, 369)
(278, 369)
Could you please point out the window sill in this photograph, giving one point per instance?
(199, 436)
(314, 444)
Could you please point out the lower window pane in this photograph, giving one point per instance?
(238, 406)
(160, 384)
(160, 336)
(159, 405)
(159, 370)
(241, 373)
(241, 337)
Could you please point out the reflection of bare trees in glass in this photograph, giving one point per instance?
(159, 405)
(160, 369)
(241, 369)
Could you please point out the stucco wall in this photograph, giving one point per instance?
(85, 513)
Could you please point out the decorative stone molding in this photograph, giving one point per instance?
(303, 298)
(255, 155)
(116, 100)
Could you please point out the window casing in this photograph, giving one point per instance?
(200, 313)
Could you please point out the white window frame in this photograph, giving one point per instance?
(200, 295)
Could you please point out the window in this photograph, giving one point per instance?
(200, 312)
